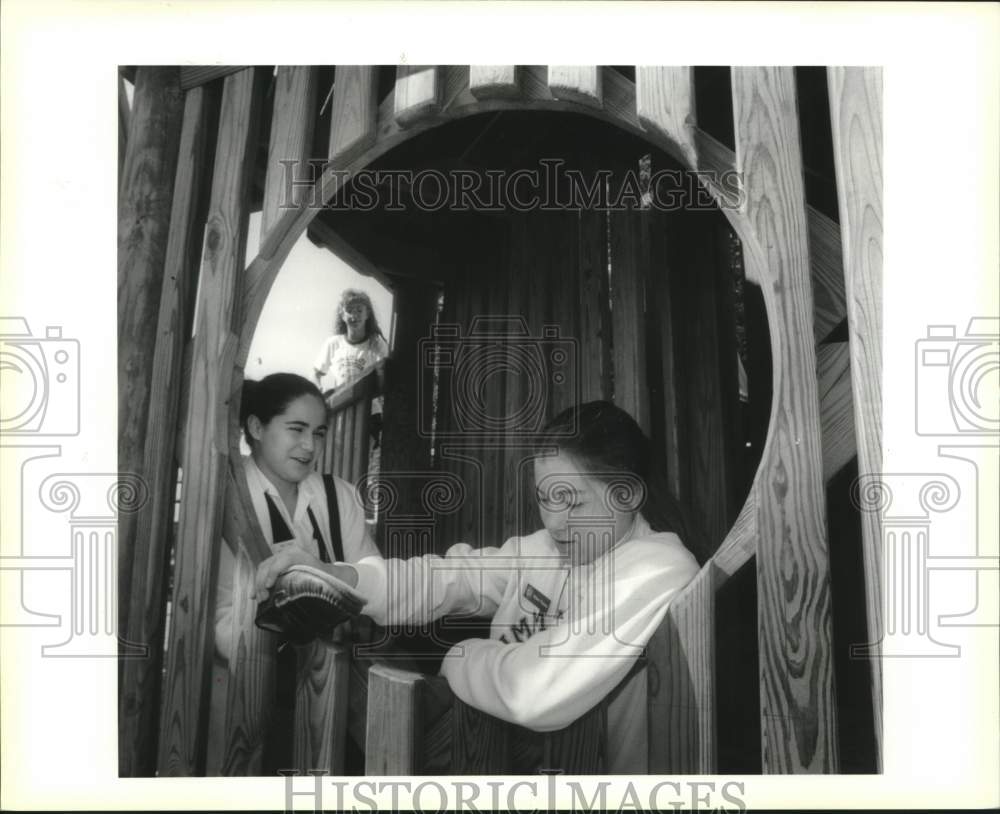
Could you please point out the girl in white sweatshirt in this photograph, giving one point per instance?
(572, 605)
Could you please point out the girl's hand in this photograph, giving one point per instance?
(286, 555)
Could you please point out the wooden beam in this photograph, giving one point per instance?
(355, 106)
(124, 116)
(417, 94)
(144, 209)
(142, 608)
(194, 75)
(185, 704)
(799, 722)
(665, 103)
(494, 81)
(856, 119)
(321, 707)
(581, 84)
(323, 234)
(836, 409)
(292, 122)
(394, 722)
(827, 266)
(681, 693)
(252, 685)
(628, 316)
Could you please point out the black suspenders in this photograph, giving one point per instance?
(280, 531)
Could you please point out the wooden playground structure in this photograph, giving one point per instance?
(656, 310)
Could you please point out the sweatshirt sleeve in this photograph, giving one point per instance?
(550, 680)
(465, 581)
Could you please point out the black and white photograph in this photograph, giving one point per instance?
(508, 435)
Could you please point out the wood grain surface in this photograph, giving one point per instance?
(681, 682)
(664, 99)
(292, 122)
(184, 708)
(252, 679)
(352, 124)
(797, 701)
(142, 608)
(494, 81)
(581, 83)
(836, 407)
(417, 94)
(856, 119)
(144, 211)
(321, 699)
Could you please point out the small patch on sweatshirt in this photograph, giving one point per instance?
(537, 598)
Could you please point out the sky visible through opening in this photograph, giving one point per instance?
(299, 312)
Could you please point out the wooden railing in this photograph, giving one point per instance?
(348, 420)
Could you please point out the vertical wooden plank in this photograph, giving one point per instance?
(494, 81)
(405, 445)
(628, 316)
(681, 689)
(142, 618)
(826, 263)
(124, 115)
(705, 371)
(480, 743)
(347, 454)
(555, 241)
(251, 696)
(394, 725)
(664, 99)
(667, 431)
(418, 93)
(321, 707)
(362, 441)
(594, 338)
(144, 209)
(579, 748)
(339, 429)
(184, 710)
(836, 409)
(856, 119)
(355, 107)
(291, 140)
(797, 700)
(581, 84)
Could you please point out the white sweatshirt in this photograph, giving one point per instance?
(561, 638)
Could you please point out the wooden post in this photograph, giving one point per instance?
(856, 119)
(628, 311)
(141, 609)
(144, 206)
(681, 694)
(797, 700)
(577, 84)
(184, 710)
(405, 447)
(355, 106)
(321, 707)
(291, 140)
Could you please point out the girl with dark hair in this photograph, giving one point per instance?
(284, 422)
(572, 605)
